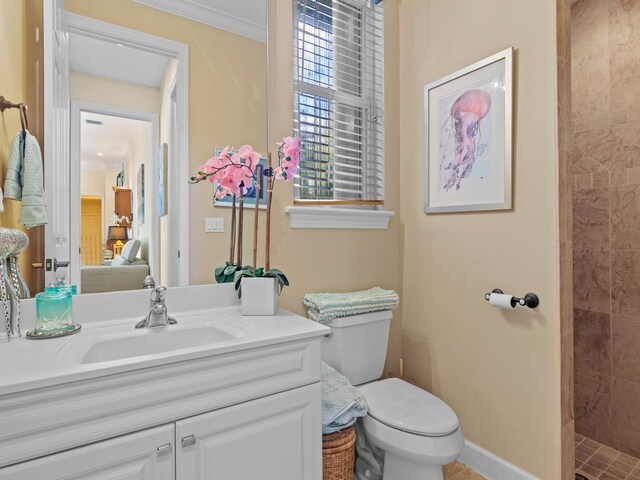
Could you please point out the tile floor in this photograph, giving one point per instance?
(599, 462)
(458, 471)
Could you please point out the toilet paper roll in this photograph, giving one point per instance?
(502, 300)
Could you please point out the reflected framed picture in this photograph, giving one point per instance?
(250, 196)
(140, 195)
(162, 180)
(468, 144)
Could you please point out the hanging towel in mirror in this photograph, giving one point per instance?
(25, 179)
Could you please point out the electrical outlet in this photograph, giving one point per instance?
(214, 225)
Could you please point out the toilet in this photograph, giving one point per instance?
(417, 431)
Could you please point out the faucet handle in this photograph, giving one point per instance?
(148, 283)
(159, 294)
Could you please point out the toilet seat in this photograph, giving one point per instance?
(408, 408)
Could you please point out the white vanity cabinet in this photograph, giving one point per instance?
(239, 415)
(272, 438)
(264, 439)
(142, 455)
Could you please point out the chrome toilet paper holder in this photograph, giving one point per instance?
(530, 300)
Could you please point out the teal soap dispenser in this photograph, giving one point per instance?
(54, 312)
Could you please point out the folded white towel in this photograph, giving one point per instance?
(324, 307)
(342, 403)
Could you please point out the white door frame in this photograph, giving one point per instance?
(179, 217)
(56, 138)
(172, 233)
(151, 186)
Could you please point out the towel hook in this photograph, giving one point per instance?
(23, 117)
(5, 104)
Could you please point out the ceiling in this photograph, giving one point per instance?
(105, 59)
(112, 139)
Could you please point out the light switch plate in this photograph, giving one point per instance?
(214, 225)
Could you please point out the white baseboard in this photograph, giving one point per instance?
(491, 466)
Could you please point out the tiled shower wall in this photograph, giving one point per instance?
(605, 169)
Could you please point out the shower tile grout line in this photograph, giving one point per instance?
(634, 470)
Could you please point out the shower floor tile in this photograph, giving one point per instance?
(599, 462)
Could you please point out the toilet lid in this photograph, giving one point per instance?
(406, 407)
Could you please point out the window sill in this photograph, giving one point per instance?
(332, 217)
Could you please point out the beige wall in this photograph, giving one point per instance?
(12, 79)
(498, 369)
(140, 154)
(13, 87)
(92, 183)
(227, 106)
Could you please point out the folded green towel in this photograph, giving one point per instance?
(324, 307)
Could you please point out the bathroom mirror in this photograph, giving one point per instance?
(154, 87)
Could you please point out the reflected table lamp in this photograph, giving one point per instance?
(118, 236)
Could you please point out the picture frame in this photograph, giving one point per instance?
(162, 180)
(140, 195)
(249, 197)
(468, 138)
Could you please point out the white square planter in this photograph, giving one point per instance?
(259, 296)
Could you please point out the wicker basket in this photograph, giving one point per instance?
(339, 454)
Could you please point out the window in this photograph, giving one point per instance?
(338, 98)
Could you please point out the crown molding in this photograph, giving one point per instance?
(211, 16)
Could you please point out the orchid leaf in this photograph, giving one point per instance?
(231, 269)
(225, 273)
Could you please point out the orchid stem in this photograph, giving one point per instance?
(233, 229)
(256, 218)
(240, 225)
(267, 247)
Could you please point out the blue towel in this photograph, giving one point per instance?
(342, 403)
(25, 179)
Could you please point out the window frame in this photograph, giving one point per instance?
(370, 108)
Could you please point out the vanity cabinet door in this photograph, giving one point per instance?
(273, 438)
(145, 455)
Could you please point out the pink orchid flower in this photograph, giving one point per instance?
(291, 148)
(289, 158)
(250, 156)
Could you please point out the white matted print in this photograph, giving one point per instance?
(468, 138)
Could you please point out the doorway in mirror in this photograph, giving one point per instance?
(118, 247)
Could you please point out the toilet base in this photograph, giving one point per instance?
(396, 468)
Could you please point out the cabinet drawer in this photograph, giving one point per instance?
(134, 456)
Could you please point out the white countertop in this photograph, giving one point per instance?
(27, 364)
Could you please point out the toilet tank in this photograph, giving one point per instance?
(357, 346)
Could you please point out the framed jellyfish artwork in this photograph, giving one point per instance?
(468, 127)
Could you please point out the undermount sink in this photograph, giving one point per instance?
(132, 343)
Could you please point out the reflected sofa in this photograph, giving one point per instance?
(126, 272)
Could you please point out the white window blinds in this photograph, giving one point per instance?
(338, 98)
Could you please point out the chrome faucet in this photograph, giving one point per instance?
(157, 316)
